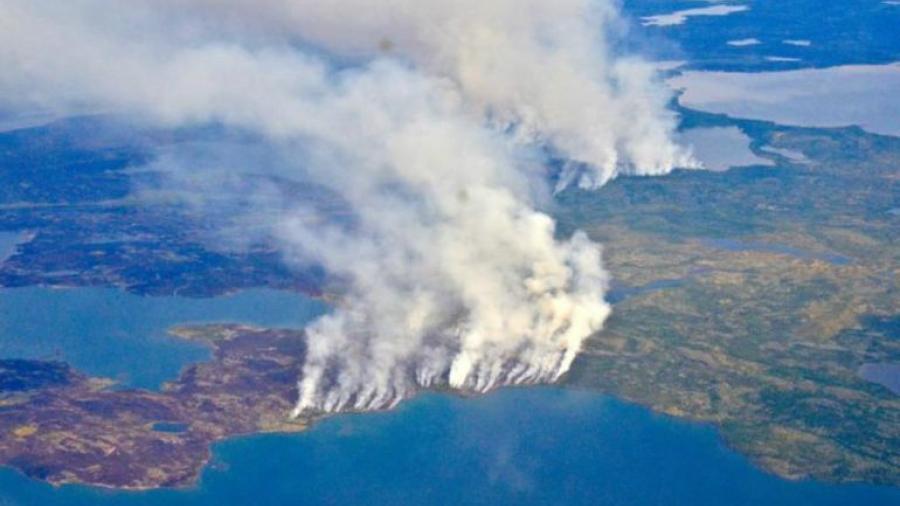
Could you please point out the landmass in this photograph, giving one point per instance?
(61, 426)
(94, 221)
(747, 299)
(751, 299)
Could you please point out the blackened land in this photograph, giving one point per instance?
(63, 427)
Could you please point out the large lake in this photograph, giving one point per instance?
(111, 333)
(863, 95)
(8, 243)
(518, 446)
(535, 446)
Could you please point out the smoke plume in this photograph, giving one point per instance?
(432, 119)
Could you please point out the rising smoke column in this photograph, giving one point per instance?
(433, 125)
(455, 278)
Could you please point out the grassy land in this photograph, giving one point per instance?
(765, 335)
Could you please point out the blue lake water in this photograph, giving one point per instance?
(532, 446)
(720, 148)
(886, 375)
(170, 427)
(535, 446)
(111, 333)
(8, 243)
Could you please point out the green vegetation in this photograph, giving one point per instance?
(787, 285)
(747, 299)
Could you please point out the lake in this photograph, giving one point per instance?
(720, 148)
(8, 243)
(526, 446)
(111, 333)
(863, 95)
(886, 375)
(516, 446)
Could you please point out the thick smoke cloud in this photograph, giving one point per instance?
(543, 67)
(432, 119)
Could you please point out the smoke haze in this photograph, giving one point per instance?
(433, 120)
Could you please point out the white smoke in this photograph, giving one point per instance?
(432, 119)
(543, 66)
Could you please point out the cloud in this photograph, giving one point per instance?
(431, 120)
